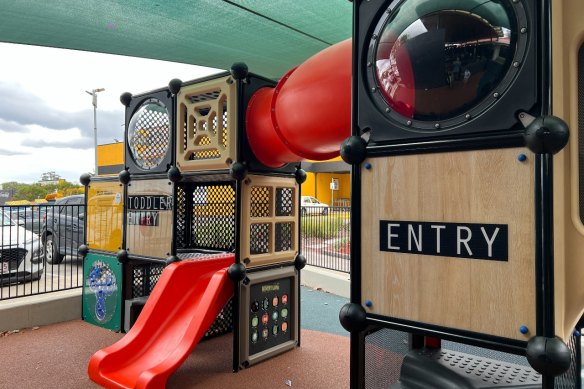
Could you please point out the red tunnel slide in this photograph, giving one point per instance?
(308, 114)
(183, 305)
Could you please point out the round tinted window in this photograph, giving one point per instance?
(434, 60)
(149, 134)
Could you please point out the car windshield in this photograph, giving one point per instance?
(5, 221)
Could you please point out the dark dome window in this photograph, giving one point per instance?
(435, 60)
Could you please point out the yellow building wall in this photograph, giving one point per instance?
(110, 154)
(309, 186)
(318, 185)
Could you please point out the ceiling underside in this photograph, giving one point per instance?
(270, 36)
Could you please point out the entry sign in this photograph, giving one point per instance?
(468, 240)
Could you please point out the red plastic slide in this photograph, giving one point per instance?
(183, 305)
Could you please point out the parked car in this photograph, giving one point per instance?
(31, 218)
(63, 230)
(311, 205)
(21, 253)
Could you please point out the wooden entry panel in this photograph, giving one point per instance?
(484, 187)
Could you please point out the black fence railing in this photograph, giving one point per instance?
(325, 237)
(38, 248)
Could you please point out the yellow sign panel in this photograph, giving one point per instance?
(105, 207)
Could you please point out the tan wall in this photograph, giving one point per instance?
(567, 38)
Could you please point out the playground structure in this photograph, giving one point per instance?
(455, 200)
(198, 236)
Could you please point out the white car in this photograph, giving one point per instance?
(21, 253)
(311, 205)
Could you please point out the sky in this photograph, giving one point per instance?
(46, 117)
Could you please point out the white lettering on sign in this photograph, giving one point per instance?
(464, 241)
(461, 240)
(437, 228)
(390, 235)
(143, 218)
(417, 239)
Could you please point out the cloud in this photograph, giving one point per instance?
(83, 143)
(20, 108)
(10, 126)
(11, 152)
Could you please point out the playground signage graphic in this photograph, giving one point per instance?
(469, 240)
(101, 291)
(143, 209)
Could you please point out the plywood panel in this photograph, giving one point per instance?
(567, 40)
(149, 227)
(484, 187)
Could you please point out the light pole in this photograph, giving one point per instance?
(93, 94)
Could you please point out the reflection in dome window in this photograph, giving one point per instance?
(433, 63)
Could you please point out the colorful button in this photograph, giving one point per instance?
(284, 312)
(255, 306)
(265, 333)
(284, 299)
(275, 301)
(275, 315)
(255, 321)
(275, 330)
(265, 318)
(265, 304)
(254, 336)
(284, 326)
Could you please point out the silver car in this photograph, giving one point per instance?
(21, 253)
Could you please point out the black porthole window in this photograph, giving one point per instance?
(435, 64)
(149, 134)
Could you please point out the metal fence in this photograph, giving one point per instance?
(325, 236)
(38, 249)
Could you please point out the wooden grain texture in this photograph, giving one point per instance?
(489, 187)
(151, 241)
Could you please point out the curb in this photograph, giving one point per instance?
(330, 281)
(41, 309)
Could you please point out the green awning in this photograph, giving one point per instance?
(270, 36)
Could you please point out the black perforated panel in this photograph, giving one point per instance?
(259, 238)
(260, 201)
(223, 323)
(284, 233)
(213, 217)
(181, 217)
(144, 278)
(284, 201)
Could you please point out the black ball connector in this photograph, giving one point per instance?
(85, 179)
(171, 259)
(238, 171)
(353, 317)
(236, 272)
(126, 98)
(174, 85)
(123, 256)
(300, 176)
(239, 71)
(300, 262)
(548, 356)
(83, 250)
(546, 135)
(124, 177)
(174, 174)
(354, 150)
